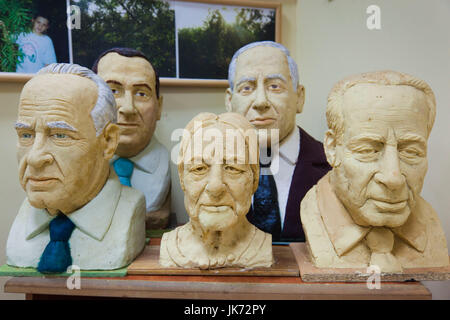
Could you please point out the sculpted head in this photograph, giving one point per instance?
(218, 169)
(379, 125)
(66, 136)
(264, 87)
(135, 85)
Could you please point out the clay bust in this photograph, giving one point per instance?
(76, 211)
(265, 88)
(368, 209)
(140, 161)
(218, 170)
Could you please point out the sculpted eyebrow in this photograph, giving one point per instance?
(367, 138)
(276, 76)
(60, 125)
(21, 125)
(114, 82)
(245, 79)
(143, 85)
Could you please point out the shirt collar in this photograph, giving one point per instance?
(94, 218)
(148, 159)
(290, 147)
(344, 233)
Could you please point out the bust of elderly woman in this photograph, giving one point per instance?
(219, 171)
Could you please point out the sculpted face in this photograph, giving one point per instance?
(264, 94)
(380, 161)
(133, 82)
(62, 164)
(217, 195)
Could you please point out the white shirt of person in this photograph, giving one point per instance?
(109, 230)
(282, 166)
(38, 52)
(151, 174)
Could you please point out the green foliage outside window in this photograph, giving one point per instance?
(15, 18)
(148, 26)
(205, 52)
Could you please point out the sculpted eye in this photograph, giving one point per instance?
(366, 151)
(201, 169)
(115, 91)
(26, 135)
(246, 89)
(411, 152)
(274, 86)
(232, 169)
(141, 94)
(60, 136)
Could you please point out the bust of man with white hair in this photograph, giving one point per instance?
(368, 210)
(76, 211)
(219, 172)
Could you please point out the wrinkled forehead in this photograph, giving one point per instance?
(59, 90)
(114, 66)
(262, 58)
(220, 143)
(377, 106)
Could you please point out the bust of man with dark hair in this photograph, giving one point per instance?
(140, 161)
(265, 88)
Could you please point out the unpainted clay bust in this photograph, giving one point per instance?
(219, 171)
(368, 209)
(135, 85)
(76, 212)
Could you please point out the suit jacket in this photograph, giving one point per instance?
(311, 166)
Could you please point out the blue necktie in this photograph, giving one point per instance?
(124, 169)
(56, 256)
(266, 212)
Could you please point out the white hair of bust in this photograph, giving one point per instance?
(104, 110)
(293, 69)
(335, 116)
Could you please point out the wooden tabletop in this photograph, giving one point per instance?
(212, 287)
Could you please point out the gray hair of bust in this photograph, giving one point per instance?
(335, 115)
(104, 111)
(293, 69)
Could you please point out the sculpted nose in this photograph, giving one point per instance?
(389, 173)
(39, 156)
(125, 104)
(215, 187)
(261, 104)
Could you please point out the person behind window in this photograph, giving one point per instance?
(36, 46)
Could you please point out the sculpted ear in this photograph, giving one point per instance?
(228, 96)
(110, 136)
(300, 98)
(329, 145)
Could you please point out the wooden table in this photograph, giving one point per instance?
(210, 287)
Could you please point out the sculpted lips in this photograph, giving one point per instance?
(126, 124)
(214, 209)
(262, 121)
(40, 181)
(390, 206)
